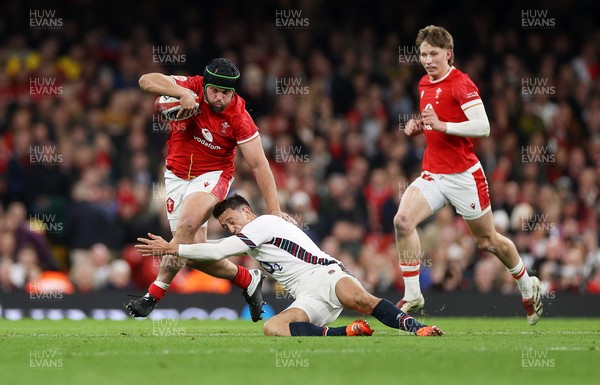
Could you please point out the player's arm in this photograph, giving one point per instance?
(219, 249)
(254, 154)
(476, 125)
(161, 84)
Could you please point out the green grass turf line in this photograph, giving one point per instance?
(473, 351)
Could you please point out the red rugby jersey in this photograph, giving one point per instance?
(449, 97)
(207, 141)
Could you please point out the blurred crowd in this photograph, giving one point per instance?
(82, 151)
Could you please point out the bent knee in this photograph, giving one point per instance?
(187, 227)
(489, 243)
(403, 225)
(271, 328)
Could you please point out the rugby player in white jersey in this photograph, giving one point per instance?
(319, 283)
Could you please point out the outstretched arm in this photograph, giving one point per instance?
(224, 248)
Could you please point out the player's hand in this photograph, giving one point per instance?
(188, 104)
(430, 120)
(285, 216)
(414, 127)
(156, 246)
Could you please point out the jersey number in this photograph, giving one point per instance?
(271, 268)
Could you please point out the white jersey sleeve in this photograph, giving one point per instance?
(220, 249)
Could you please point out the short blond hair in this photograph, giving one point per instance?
(437, 37)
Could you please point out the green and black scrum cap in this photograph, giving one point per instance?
(221, 73)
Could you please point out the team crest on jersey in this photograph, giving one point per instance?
(170, 205)
(438, 92)
(224, 127)
(207, 134)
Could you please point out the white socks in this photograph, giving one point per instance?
(523, 281)
(412, 286)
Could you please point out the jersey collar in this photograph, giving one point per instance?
(443, 77)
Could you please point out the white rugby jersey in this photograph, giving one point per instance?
(282, 249)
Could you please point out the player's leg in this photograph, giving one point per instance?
(279, 325)
(352, 295)
(195, 209)
(419, 201)
(307, 317)
(489, 240)
(468, 193)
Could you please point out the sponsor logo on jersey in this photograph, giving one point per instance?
(207, 143)
(207, 134)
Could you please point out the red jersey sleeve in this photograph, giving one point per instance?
(193, 83)
(244, 127)
(465, 92)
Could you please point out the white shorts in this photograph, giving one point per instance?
(177, 189)
(466, 191)
(317, 295)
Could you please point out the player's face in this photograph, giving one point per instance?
(218, 98)
(435, 60)
(234, 220)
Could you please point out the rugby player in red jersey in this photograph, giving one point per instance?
(199, 171)
(451, 114)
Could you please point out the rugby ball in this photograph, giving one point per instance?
(169, 106)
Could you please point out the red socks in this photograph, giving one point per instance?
(243, 278)
(156, 291)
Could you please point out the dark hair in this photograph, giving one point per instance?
(221, 73)
(437, 37)
(233, 202)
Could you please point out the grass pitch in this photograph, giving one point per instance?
(473, 351)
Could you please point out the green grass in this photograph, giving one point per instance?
(473, 351)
